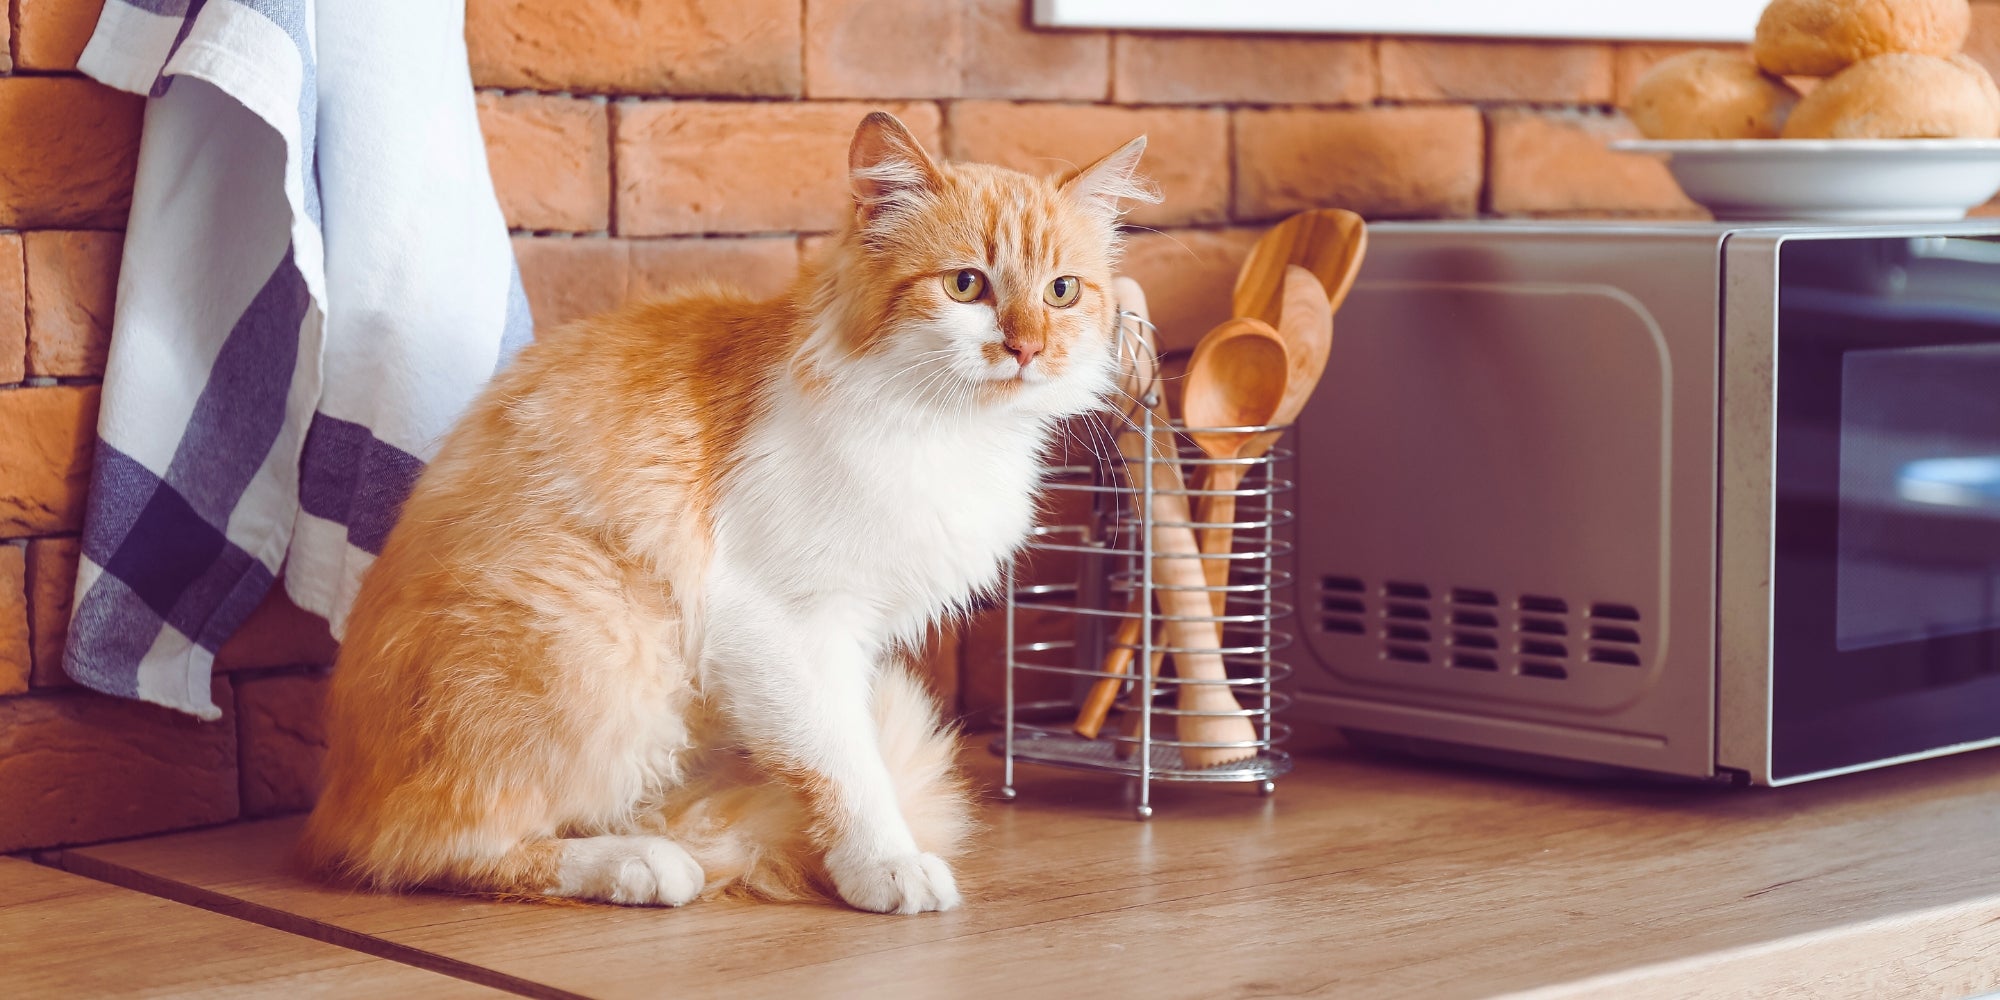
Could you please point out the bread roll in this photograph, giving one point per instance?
(1823, 37)
(1709, 95)
(1901, 96)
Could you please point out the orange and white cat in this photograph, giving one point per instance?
(637, 636)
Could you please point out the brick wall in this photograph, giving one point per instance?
(639, 144)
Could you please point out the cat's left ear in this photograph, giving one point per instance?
(887, 167)
(1104, 185)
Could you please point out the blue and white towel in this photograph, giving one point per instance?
(317, 278)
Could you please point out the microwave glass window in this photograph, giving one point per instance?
(1886, 586)
(1919, 503)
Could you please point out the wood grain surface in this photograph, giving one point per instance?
(62, 935)
(1361, 877)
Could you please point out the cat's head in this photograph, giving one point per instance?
(963, 285)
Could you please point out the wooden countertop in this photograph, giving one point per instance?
(63, 935)
(1361, 877)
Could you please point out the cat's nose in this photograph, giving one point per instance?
(1023, 349)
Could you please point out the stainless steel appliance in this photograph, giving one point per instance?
(1704, 500)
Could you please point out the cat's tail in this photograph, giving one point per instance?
(752, 833)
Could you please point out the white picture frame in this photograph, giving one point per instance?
(1635, 20)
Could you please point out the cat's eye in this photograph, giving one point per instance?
(1062, 291)
(965, 285)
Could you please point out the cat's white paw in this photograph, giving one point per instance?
(913, 883)
(635, 871)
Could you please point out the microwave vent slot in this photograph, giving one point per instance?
(1468, 595)
(1474, 640)
(1474, 661)
(1407, 591)
(1615, 612)
(1407, 654)
(1543, 647)
(1544, 626)
(1407, 633)
(1614, 633)
(1622, 657)
(1344, 605)
(1408, 612)
(1547, 671)
(1544, 605)
(1474, 619)
(1342, 583)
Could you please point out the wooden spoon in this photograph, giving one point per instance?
(1306, 326)
(1237, 378)
(1240, 377)
(1329, 242)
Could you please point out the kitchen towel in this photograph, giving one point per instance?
(316, 279)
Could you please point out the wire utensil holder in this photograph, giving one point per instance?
(1130, 522)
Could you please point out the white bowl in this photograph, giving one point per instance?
(1832, 180)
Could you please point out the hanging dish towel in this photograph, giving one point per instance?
(316, 279)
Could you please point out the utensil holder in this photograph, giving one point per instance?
(1116, 551)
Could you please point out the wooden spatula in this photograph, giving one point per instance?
(1329, 242)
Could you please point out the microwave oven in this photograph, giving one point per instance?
(1701, 500)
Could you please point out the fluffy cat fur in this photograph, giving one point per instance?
(637, 635)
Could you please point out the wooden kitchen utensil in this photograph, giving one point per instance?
(1306, 327)
(1237, 378)
(1329, 242)
(1140, 386)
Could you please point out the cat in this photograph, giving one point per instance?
(636, 636)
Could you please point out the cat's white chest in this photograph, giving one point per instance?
(893, 524)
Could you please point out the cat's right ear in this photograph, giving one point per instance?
(886, 166)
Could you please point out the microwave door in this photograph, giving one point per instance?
(1885, 615)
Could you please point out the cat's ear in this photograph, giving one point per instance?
(1104, 186)
(887, 167)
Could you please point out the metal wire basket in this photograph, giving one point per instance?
(1121, 577)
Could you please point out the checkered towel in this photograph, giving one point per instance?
(317, 278)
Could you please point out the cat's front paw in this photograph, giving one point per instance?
(634, 871)
(913, 883)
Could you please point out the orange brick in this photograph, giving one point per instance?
(1380, 162)
(761, 265)
(45, 457)
(1187, 149)
(683, 47)
(883, 48)
(72, 286)
(551, 160)
(918, 48)
(1435, 69)
(51, 590)
(16, 645)
(52, 33)
(278, 633)
(13, 308)
(284, 739)
(77, 767)
(1198, 69)
(1007, 57)
(1556, 162)
(1189, 276)
(569, 279)
(70, 151)
(700, 167)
